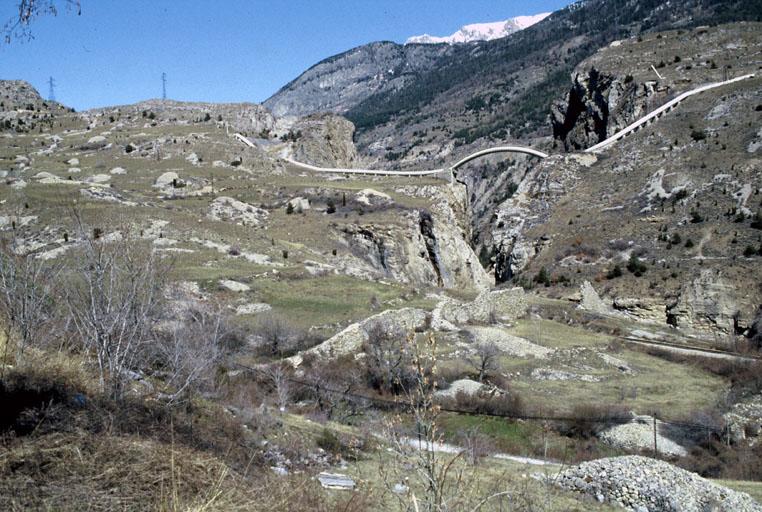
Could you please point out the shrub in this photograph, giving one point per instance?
(698, 135)
(330, 207)
(586, 420)
(289, 209)
(689, 243)
(756, 223)
(542, 277)
(749, 251)
(636, 266)
(614, 272)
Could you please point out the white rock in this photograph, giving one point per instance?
(370, 197)
(166, 179)
(234, 286)
(98, 178)
(227, 208)
(252, 309)
(73, 162)
(299, 204)
(117, 170)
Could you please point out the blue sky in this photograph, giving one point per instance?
(218, 50)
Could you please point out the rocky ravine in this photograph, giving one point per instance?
(664, 220)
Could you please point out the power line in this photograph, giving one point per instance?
(51, 89)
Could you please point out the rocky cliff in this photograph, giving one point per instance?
(324, 140)
(597, 106)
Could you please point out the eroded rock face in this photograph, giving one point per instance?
(597, 106)
(707, 303)
(425, 247)
(325, 140)
(645, 309)
(744, 419)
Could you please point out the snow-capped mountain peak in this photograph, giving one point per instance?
(482, 31)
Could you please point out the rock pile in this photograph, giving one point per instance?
(638, 434)
(641, 484)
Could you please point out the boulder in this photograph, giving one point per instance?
(98, 178)
(166, 179)
(234, 286)
(117, 170)
(299, 204)
(350, 340)
(97, 142)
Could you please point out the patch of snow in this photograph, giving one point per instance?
(482, 31)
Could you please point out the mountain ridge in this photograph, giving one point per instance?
(481, 31)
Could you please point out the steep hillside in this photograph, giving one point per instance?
(485, 92)
(667, 221)
(345, 80)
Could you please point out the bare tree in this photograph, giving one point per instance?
(19, 27)
(422, 463)
(192, 349)
(485, 359)
(388, 362)
(114, 296)
(276, 333)
(438, 474)
(281, 381)
(26, 302)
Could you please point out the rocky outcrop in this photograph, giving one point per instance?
(597, 106)
(229, 209)
(706, 304)
(489, 306)
(248, 118)
(744, 419)
(644, 309)
(424, 247)
(324, 140)
(351, 339)
(641, 484)
(592, 302)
